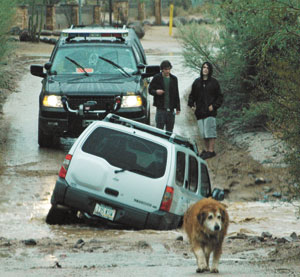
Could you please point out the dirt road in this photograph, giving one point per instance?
(29, 247)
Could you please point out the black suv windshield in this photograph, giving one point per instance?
(127, 152)
(87, 59)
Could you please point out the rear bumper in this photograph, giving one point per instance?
(73, 198)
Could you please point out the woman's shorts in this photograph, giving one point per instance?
(208, 127)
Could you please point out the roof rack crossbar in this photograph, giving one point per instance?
(152, 130)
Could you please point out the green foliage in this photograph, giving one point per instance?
(257, 64)
(7, 14)
(199, 45)
(181, 7)
(183, 3)
(45, 2)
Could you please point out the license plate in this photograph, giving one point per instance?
(86, 123)
(104, 211)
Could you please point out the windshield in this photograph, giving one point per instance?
(127, 152)
(94, 59)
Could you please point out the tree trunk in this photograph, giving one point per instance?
(141, 11)
(50, 17)
(158, 12)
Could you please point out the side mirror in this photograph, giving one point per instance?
(141, 66)
(218, 194)
(47, 66)
(151, 70)
(37, 70)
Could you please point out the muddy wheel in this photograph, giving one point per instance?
(43, 139)
(180, 223)
(61, 216)
(55, 216)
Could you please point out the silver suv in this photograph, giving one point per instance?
(129, 173)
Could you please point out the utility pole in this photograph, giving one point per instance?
(141, 10)
(171, 19)
(110, 12)
(158, 12)
(79, 12)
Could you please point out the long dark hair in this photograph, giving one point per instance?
(210, 69)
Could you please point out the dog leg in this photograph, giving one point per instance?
(201, 260)
(207, 255)
(216, 258)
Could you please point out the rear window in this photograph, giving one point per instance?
(127, 152)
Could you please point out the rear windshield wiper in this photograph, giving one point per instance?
(135, 170)
(119, 170)
(76, 63)
(116, 65)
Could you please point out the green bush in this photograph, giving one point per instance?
(257, 62)
(7, 14)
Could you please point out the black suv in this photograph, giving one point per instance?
(90, 69)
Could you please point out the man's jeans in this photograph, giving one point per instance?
(165, 118)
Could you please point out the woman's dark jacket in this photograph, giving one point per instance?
(158, 100)
(204, 94)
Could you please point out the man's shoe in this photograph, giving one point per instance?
(208, 155)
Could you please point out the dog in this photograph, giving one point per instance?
(205, 224)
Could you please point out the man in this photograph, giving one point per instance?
(206, 95)
(164, 88)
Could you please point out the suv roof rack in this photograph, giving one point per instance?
(152, 130)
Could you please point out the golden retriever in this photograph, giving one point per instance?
(205, 224)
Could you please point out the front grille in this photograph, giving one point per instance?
(103, 102)
(56, 115)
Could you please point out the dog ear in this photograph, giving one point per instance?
(223, 214)
(201, 218)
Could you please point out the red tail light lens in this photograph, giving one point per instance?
(65, 166)
(167, 199)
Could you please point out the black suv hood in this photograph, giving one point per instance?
(90, 85)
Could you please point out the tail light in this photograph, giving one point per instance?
(65, 166)
(167, 199)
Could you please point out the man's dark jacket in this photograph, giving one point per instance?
(158, 100)
(204, 96)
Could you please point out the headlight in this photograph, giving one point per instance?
(131, 101)
(52, 101)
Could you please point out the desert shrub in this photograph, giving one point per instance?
(257, 62)
(185, 4)
(203, 43)
(7, 13)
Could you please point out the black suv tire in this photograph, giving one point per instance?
(43, 139)
(58, 216)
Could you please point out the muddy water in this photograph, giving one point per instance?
(30, 174)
